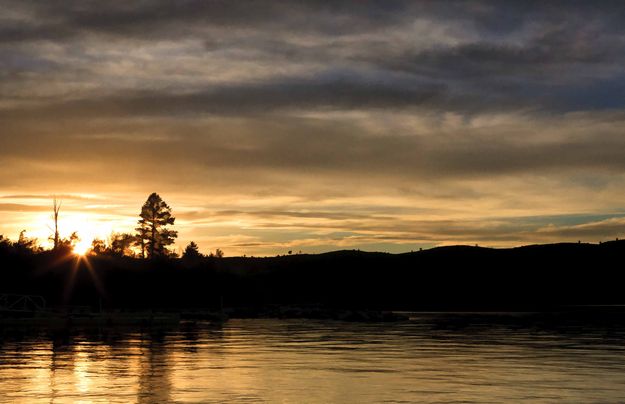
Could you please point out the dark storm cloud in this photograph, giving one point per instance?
(498, 158)
(543, 71)
(552, 50)
(159, 19)
(308, 147)
(329, 90)
(52, 20)
(502, 55)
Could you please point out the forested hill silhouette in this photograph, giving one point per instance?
(536, 277)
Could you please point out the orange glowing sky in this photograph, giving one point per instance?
(270, 127)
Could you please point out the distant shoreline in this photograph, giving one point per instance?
(539, 278)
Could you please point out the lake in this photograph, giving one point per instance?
(432, 358)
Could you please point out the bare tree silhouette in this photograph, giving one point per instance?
(56, 206)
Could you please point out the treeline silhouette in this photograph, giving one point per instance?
(537, 277)
(136, 271)
(151, 239)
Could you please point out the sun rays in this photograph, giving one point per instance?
(81, 262)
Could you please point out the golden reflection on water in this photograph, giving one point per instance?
(306, 361)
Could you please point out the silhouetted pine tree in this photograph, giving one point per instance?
(121, 243)
(192, 251)
(152, 234)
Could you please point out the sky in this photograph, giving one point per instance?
(271, 126)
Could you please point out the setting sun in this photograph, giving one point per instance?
(86, 226)
(82, 247)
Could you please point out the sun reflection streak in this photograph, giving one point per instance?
(82, 365)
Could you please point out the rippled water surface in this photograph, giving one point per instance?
(432, 358)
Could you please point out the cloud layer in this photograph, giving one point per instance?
(313, 125)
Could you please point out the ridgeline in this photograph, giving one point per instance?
(535, 277)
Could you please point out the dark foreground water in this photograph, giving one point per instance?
(433, 358)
